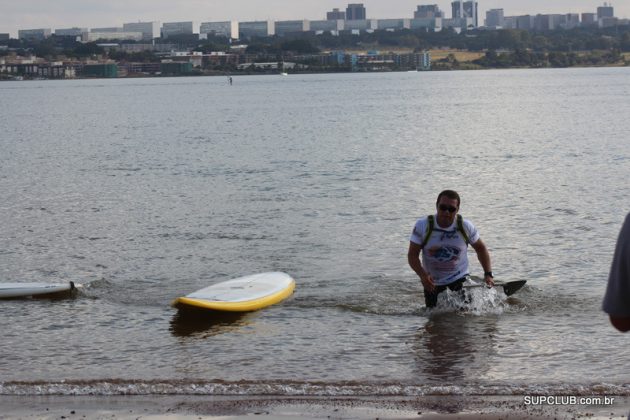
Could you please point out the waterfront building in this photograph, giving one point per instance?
(393, 24)
(256, 28)
(355, 11)
(228, 29)
(170, 29)
(71, 32)
(605, 11)
(284, 27)
(465, 9)
(34, 34)
(427, 24)
(150, 30)
(336, 14)
(112, 36)
(495, 18)
(428, 11)
(333, 26)
(108, 70)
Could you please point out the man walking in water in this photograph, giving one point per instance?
(443, 239)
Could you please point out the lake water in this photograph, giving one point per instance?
(148, 189)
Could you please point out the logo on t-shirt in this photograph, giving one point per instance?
(444, 253)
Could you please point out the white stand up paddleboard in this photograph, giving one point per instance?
(243, 294)
(13, 290)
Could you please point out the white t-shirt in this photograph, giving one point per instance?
(617, 298)
(445, 254)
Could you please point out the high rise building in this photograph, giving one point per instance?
(355, 11)
(495, 18)
(465, 9)
(428, 11)
(605, 11)
(336, 14)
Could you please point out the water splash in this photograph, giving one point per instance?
(474, 300)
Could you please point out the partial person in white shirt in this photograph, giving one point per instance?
(617, 299)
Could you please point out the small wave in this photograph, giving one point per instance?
(295, 388)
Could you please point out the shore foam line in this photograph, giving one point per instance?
(112, 387)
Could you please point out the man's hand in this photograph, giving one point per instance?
(489, 281)
(427, 282)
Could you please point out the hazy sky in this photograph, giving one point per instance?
(30, 14)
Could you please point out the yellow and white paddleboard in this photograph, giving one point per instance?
(243, 294)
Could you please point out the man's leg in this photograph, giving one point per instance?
(430, 298)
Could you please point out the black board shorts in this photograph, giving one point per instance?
(430, 298)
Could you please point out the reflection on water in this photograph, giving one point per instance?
(454, 347)
(203, 324)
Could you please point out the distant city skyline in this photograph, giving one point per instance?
(58, 14)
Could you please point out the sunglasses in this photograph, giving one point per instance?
(449, 209)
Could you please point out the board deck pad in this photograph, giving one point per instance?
(242, 294)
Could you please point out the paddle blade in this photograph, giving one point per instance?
(512, 287)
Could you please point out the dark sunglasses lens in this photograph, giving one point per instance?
(450, 209)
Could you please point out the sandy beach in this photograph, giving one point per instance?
(252, 407)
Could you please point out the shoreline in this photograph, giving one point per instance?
(147, 76)
(299, 407)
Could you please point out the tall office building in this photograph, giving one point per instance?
(170, 29)
(336, 14)
(355, 11)
(150, 30)
(605, 11)
(261, 28)
(495, 18)
(228, 29)
(34, 34)
(428, 11)
(71, 31)
(109, 29)
(465, 9)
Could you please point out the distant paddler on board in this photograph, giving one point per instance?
(443, 240)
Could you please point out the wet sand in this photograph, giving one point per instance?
(289, 408)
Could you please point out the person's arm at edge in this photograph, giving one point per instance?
(484, 259)
(413, 258)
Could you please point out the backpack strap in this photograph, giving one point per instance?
(460, 227)
(431, 225)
